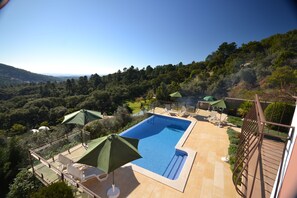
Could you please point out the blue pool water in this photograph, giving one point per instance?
(158, 136)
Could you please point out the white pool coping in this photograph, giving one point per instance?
(179, 183)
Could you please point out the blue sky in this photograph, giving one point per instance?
(95, 36)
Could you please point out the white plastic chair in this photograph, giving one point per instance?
(212, 116)
(183, 112)
(64, 161)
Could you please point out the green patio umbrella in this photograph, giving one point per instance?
(81, 117)
(218, 103)
(110, 152)
(209, 98)
(175, 95)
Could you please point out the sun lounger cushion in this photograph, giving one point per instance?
(86, 173)
(94, 172)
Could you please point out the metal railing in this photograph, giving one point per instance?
(63, 176)
(248, 173)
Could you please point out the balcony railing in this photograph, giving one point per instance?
(259, 157)
(40, 163)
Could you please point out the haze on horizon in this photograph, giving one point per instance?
(81, 38)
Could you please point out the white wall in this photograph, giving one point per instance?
(288, 153)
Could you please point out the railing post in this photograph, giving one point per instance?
(31, 161)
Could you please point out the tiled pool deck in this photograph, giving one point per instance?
(209, 176)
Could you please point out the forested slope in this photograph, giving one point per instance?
(10, 75)
(267, 67)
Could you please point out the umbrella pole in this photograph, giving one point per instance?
(112, 177)
(82, 138)
(220, 119)
(113, 186)
(113, 191)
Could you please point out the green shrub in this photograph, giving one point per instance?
(96, 129)
(232, 149)
(122, 115)
(44, 123)
(17, 129)
(232, 134)
(23, 185)
(244, 108)
(279, 112)
(235, 120)
(134, 121)
(55, 190)
(119, 123)
(234, 140)
(232, 161)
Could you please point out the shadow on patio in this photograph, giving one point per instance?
(124, 179)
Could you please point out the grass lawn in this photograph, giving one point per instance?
(136, 105)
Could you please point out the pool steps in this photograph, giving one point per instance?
(181, 166)
(175, 166)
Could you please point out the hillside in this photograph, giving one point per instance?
(267, 67)
(10, 75)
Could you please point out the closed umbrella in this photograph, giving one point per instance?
(109, 153)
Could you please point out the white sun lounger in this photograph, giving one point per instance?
(86, 173)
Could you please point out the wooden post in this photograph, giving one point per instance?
(31, 161)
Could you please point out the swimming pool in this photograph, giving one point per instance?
(158, 136)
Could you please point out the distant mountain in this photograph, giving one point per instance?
(66, 77)
(10, 75)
